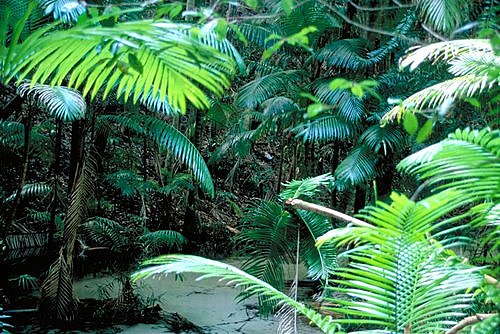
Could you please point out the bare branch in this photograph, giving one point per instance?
(374, 9)
(469, 321)
(300, 204)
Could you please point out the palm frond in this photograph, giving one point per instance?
(31, 190)
(443, 15)
(258, 34)
(11, 134)
(171, 139)
(253, 286)
(347, 105)
(386, 139)
(104, 232)
(64, 10)
(306, 188)
(349, 54)
(264, 244)
(58, 298)
(358, 167)
(158, 240)
(398, 278)
(325, 128)
(141, 60)
(467, 159)
(263, 88)
(63, 103)
(224, 46)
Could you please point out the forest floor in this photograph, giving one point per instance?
(209, 304)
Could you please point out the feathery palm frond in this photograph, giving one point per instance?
(443, 15)
(64, 10)
(467, 160)
(157, 240)
(263, 88)
(264, 241)
(252, 286)
(279, 107)
(472, 62)
(141, 60)
(31, 190)
(358, 167)
(306, 188)
(64, 103)
(387, 138)
(398, 278)
(58, 298)
(171, 139)
(258, 34)
(106, 232)
(325, 128)
(224, 46)
(348, 106)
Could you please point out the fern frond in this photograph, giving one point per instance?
(61, 102)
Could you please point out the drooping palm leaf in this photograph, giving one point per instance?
(64, 103)
(253, 286)
(168, 138)
(386, 139)
(467, 160)
(265, 87)
(358, 167)
(443, 15)
(325, 128)
(157, 240)
(398, 279)
(347, 106)
(31, 190)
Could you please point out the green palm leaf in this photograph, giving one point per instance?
(141, 60)
(443, 15)
(347, 105)
(157, 240)
(385, 139)
(265, 87)
(398, 279)
(358, 167)
(63, 103)
(325, 128)
(467, 160)
(234, 276)
(171, 139)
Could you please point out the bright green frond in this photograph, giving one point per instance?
(467, 159)
(63, 103)
(209, 268)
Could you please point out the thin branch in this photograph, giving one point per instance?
(435, 34)
(375, 9)
(469, 321)
(300, 204)
(367, 28)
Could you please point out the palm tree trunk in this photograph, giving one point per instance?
(76, 153)
(359, 198)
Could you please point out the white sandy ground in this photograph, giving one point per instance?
(208, 303)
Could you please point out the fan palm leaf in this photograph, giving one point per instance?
(467, 160)
(63, 103)
(267, 86)
(398, 279)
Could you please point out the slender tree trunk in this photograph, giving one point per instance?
(76, 153)
(359, 198)
(280, 168)
(55, 187)
(335, 163)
